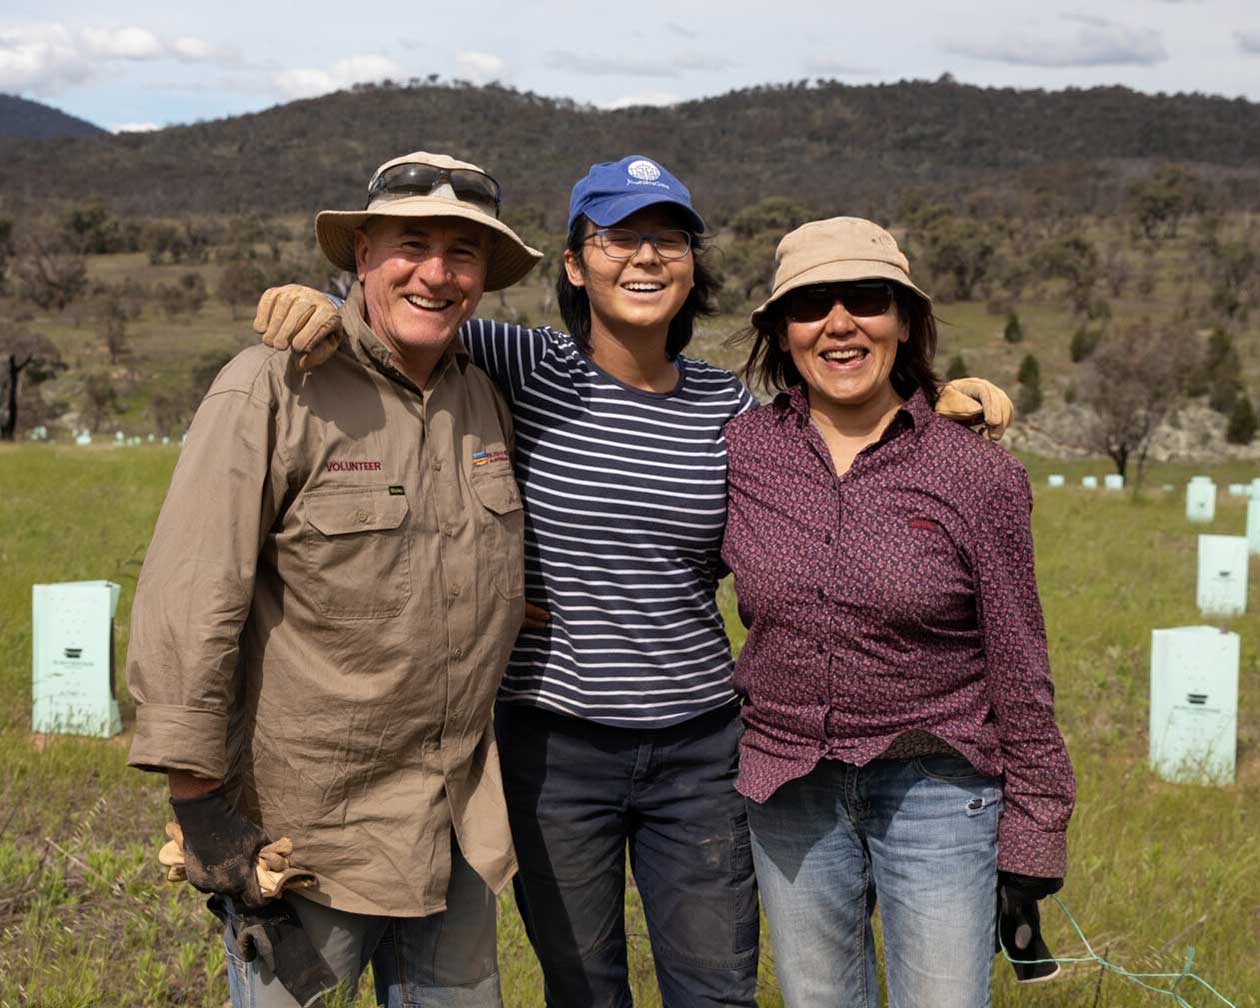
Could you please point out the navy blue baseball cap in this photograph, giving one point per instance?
(613, 190)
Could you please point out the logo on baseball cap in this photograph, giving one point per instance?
(613, 190)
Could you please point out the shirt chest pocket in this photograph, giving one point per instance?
(500, 531)
(356, 546)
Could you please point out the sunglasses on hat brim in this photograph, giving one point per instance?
(418, 179)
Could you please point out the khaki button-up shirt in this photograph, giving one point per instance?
(326, 608)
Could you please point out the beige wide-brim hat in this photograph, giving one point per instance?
(510, 257)
(835, 250)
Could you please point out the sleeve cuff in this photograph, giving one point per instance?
(1026, 850)
(170, 737)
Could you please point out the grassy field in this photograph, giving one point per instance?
(85, 918)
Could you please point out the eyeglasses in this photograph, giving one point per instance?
(624, 243)
(417, 179)
(861, 299)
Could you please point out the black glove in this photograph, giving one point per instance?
(1019, 924)
(220, 847)
(274, 934)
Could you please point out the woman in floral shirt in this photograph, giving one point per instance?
(900, 734)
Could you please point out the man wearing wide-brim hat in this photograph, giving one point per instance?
(330, 597)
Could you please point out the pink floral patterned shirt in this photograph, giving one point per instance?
(899, 598)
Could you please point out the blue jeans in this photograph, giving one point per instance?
(578, 794)
(445, 960)
(920, 833)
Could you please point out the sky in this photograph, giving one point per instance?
(155, 64)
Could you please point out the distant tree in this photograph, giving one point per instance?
(1163, 198)
(1074, 260)
(89, 230)
(1084, 342)
(1241, 429)
(1217, 375)
(957, 368)
(167, 413)
(1029, 398)
(1014, 331)
(6, 250)
(187, 297)
(241, 283)
(958, 251)
(113, 322)
(1117, 270)
(47, 279)
(100, 399)
(1131, 384)
(780, 214)
(1234, 268)
(29, 354)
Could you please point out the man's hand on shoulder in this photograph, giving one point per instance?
(974, 401)
(301, 318)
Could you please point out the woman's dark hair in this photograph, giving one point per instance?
(772, 367)
(575, 304)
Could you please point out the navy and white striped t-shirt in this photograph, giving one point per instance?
(625, 503)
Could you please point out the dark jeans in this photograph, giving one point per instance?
(578, 793)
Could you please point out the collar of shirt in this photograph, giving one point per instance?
(368, 348)
(913, 416)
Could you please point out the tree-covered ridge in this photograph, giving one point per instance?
(35, 121)
(836, 148)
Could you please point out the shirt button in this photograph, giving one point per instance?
(827, 538)
(822, 648)
(822, 593)
(438, 465)
(455, 590)
(447, 530)
(457, 653)
(361, 517)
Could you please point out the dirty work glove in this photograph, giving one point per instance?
(300, 317)
(1019, 924)
(274, 934)
(974, 401)
(220, 846)
(274, 871)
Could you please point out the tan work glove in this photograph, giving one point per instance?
(300, 317)
(973, 401)
(275, 873)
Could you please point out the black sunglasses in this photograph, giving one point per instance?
(418, 179)
(861, 299)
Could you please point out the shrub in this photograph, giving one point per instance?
(1014, 332)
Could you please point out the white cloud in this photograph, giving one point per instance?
(41, 58)
(122, 43)
(1078, 40)
(658, 99)
(135, 127)
(480, 68)
(47, 58)
(190, 49)
(1248, 41)
(366, 68)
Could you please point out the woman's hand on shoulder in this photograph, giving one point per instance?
(302, 318)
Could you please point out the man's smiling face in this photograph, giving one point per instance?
(422, 278)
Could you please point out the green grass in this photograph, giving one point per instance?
(86, 920)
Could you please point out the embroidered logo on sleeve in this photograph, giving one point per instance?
(480, 458)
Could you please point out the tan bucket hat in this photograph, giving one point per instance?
(510, 258)
(833, 250)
